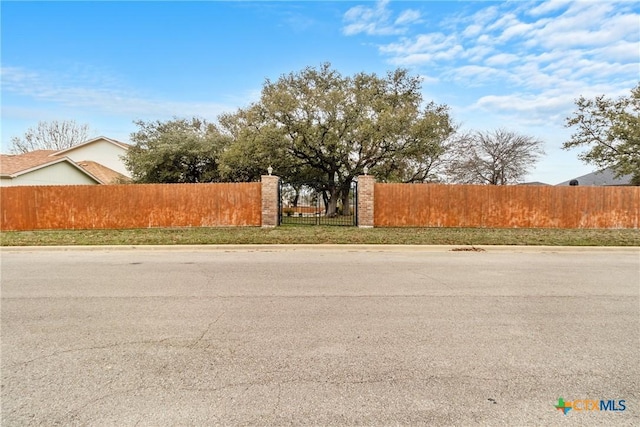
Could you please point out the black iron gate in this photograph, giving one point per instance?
(305, 204)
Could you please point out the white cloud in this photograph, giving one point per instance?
(621, 51)
(516, 29)
(81, 93)
(478, 53)
(407, 17)
(476, 75)
(507, 20)
(548, 6)
(429, 80)
(378, 20)
(544, 109)
(482, 18)
(502, 59)
(427, 57)
(423, 49)
(523, 64)
(587, 25)
(371, 21)
(527, 44)
(472, 30)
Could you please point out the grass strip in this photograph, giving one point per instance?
(325, 235)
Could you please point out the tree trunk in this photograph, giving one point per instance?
(346, 197)
(333, 193)
(332, 206)
(325, 201)
(296, 197)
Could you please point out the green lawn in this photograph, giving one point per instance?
(325, 235)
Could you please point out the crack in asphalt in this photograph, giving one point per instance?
(192, 345)
(389, 378)
(114, 345)
(72, 350)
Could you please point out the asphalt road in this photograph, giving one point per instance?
(331, 336)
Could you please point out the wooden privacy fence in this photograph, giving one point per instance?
(255, 204)
(432, 205)
(130, 206)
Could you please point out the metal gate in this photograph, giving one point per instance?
(304, 204)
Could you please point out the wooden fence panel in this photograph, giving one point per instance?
(513, 206)
(130, 206)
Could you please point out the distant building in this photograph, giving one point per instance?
(534, 183)
(96, 161)
(601, 177)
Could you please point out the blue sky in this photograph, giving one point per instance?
(518, 65)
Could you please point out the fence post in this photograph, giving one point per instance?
(366, 184)
(270, 202)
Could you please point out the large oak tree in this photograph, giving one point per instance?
(321, 126)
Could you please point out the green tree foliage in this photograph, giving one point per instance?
(317, 125)
(499, 157)
(256, 146)
(179, 150)
(611, 128)
(53, 135)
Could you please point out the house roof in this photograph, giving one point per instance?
(91, 141)
(14, 165)
(534, 183)
(601, 177)
(11, 164)
(29, 166)
(103, 173)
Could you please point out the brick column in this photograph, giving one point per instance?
(366, 185)
(270, 200)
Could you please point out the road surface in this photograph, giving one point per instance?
(318, 336)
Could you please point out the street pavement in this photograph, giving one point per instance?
(319, 336)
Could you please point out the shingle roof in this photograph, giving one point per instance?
(534, 183)
(13, 163)
(601, 177)
(103, 173)
(16, 164)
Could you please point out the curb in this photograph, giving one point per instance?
(325, 247)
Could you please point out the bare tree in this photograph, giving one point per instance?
(499, 157)
(53, 135)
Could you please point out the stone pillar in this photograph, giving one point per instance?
(270, 202)
(366, 184)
